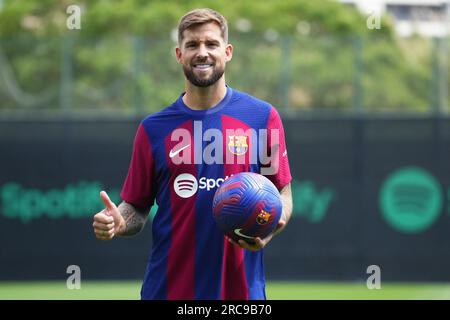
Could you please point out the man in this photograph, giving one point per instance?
(191, 258)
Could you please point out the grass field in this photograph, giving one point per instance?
(92, 290)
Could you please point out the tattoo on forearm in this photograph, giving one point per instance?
(286, 199)
(134, 220)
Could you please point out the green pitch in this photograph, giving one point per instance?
(91, 290)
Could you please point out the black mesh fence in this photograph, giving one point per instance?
(366, 192)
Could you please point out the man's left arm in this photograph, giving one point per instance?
(286, 201)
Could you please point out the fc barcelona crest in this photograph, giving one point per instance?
(238, 145)
(263, 217)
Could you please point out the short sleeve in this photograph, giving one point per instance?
(277, 170)
(138, 188)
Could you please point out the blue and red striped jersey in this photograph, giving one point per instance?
(180, 157)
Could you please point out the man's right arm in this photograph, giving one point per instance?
(125, 220)
(134, 219)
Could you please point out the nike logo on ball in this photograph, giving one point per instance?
(174, 153)
(238, 232)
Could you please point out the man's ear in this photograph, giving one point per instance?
(228, 52)
(178, 54)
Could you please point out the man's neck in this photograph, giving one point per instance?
(198, 98)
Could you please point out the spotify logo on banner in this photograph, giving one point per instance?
(411, 200)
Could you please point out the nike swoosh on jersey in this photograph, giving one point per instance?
(174, 153)
(238, 232)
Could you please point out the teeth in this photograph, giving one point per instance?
(202, 65)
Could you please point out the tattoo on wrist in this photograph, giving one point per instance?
(134, 220)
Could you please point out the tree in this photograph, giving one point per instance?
(294, 53)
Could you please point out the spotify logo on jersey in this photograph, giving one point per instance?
(185, 185)
(411, 200)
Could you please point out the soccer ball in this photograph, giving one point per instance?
(247, 205)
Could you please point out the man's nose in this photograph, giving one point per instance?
(202, 51)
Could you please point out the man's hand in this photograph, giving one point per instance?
(286, 200)
(109, 221)
(259, 243)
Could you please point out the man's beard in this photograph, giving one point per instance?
(203, 83)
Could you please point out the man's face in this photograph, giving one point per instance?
(203, 54)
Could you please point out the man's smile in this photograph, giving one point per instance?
(202, 66)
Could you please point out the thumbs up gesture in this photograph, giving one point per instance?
(109, 221)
